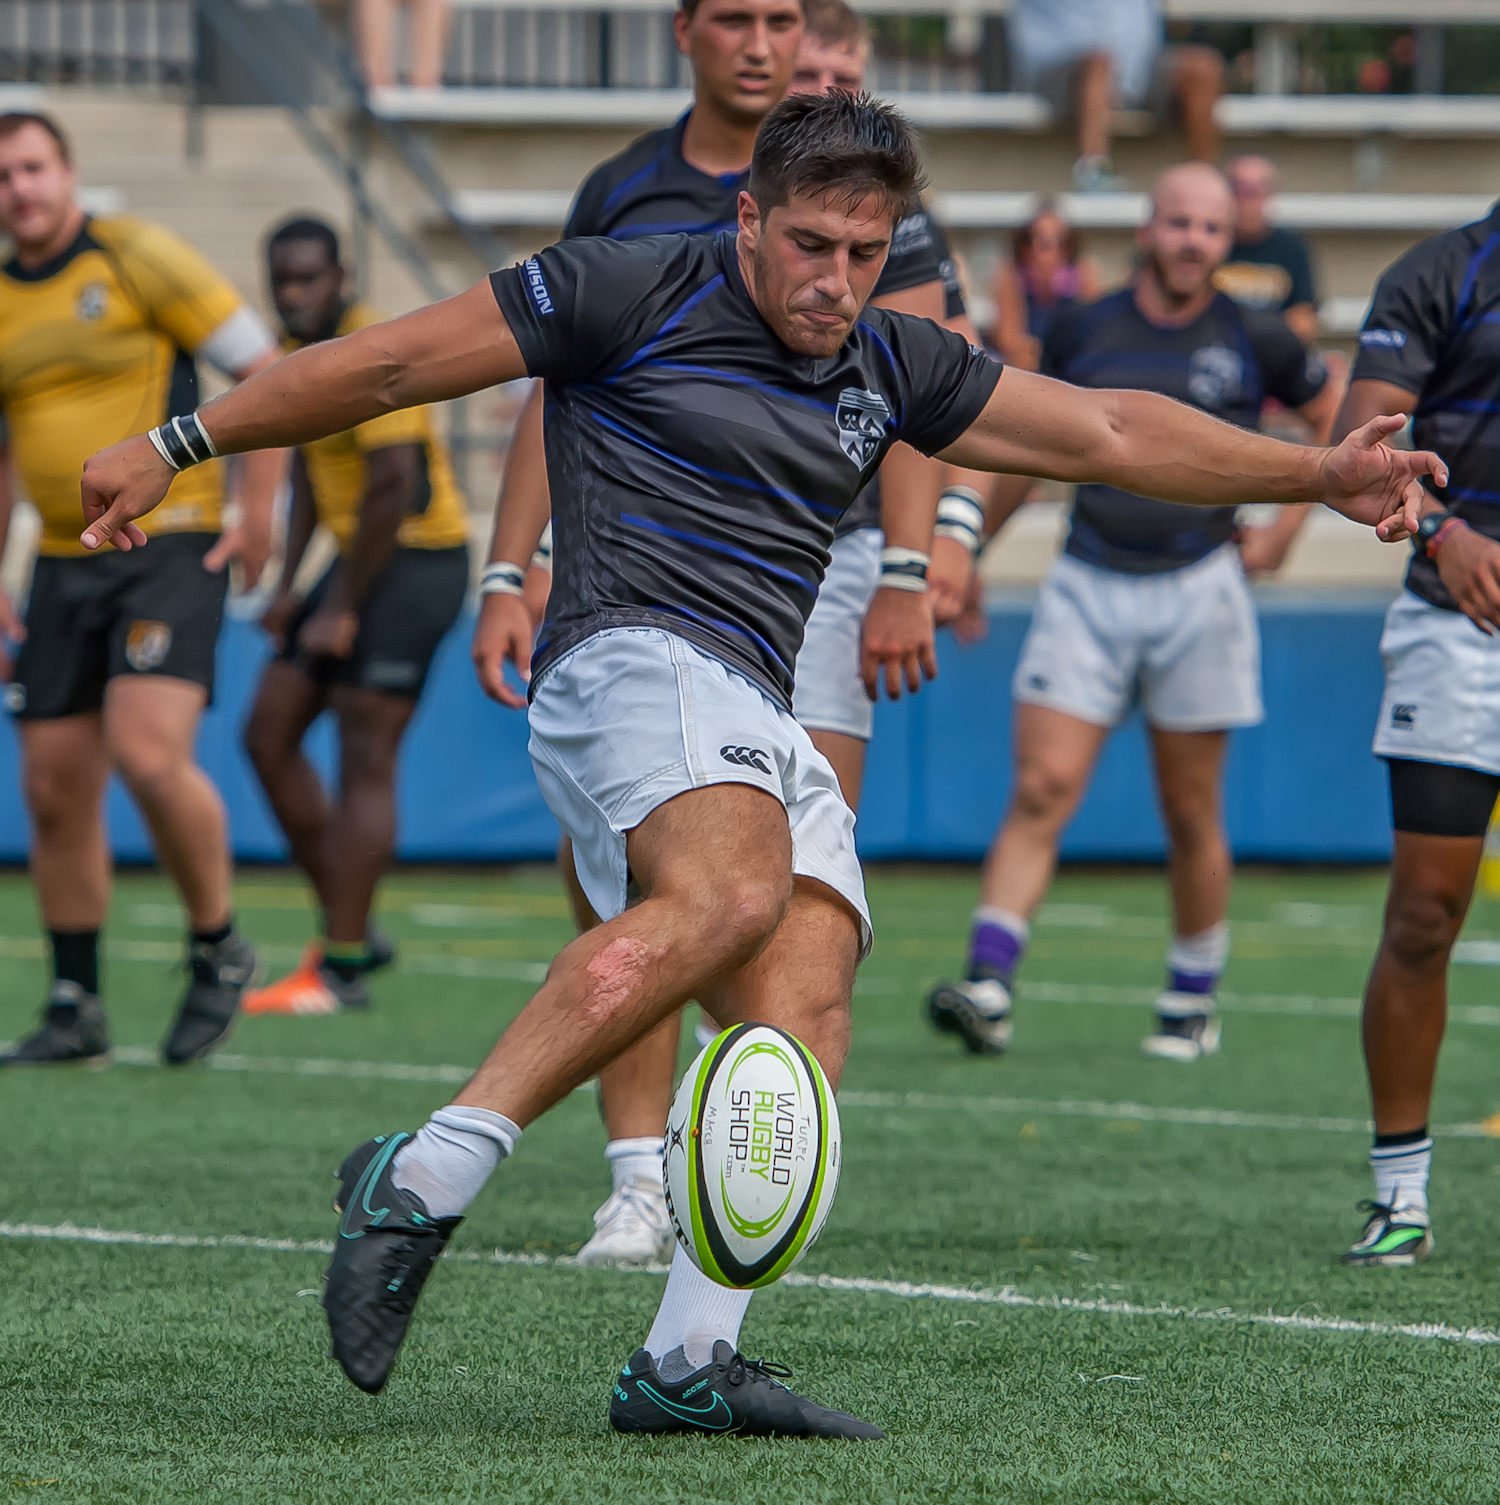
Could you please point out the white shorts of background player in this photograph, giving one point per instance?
(1184, 645)
(830, 697)
(1442, 688)
(635, 716)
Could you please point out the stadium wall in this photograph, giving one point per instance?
(1303, 787)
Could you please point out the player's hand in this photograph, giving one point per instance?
(535, 590)
(1368, 481)
(329, 632)
(1468, 563)
(276, 620)
(972, 625)
(502, 634)
(244, 543)
(1263, 551)
(120, 484)
(897, 641)
(12, 631)
(948, 579)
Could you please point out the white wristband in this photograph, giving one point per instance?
(903, 569)
(501, 579)
(542, 559)
(960, 516)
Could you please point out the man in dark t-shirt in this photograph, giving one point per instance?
(1148, 606)
(1431, 347)
(669, 182)
(1268, 268)
(719, 402)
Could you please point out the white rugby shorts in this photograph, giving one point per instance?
(635, 716)
(829, 695)
(1184, 645)
(1442, 688)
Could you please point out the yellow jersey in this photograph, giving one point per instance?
(336, 468)
(96, 346)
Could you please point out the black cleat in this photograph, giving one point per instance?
(385, 1250)
(218, 977)
(73, 1029)
(978, 1011)
(733, 1394)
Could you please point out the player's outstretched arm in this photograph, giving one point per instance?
(1153, 446)
(447, 350)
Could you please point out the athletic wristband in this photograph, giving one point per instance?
(903, 569)
(183, 442)
(1437, 539)
(501, 580)
(960, 516)
(542, 559)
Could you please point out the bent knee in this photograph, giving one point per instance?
(749, 909)
(1045, 794)
(1420, 929)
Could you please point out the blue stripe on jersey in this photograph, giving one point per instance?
(1468, 494)
(886, 350)
(744, 632)
(673, 320)
(698, 541)
(714, 374)
(1471, 276)
(636, 232)
(764, 488)
(633, 181)
(1462, 404)
(1141, 360)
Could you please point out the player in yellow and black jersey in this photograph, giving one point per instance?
(102, 322)
(359, 643)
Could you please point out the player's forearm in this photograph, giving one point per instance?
(910, 484)
(7, 497)
(301, 520)
(441, 352)
(525, 501)
(381, 514)
(1007, 495)
(261, 473)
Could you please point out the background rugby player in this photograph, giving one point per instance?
(746, 54)
(359, 643)
(687, 559)
(1148, 606)
(1431, 347)
(101, 323)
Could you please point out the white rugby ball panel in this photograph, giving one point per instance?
(753, 1153)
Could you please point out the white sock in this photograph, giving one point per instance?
(1401, 1172)
(634, 1159)
(1196, 962)
(451, 1157)
(695, 1312)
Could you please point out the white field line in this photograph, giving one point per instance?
(1217, 1118)
(1006, 1296)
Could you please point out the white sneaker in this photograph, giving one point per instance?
(632, 1228)
(1186, 1029)
(977, 1011)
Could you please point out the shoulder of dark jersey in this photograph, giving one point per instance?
(604, 188)
(1445, 255)
(1264, 326)
(1074, 323)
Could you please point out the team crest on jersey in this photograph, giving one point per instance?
(147, 645)
(1214, 376)
(91, 303)
(862, 417)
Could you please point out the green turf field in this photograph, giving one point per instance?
(1126, 1220)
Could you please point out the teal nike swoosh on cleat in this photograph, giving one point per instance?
(362, 1188)
(700, 1416)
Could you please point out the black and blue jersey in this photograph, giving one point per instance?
(698, 467)
(1434, 331)
(1226, 362)
(652, 189)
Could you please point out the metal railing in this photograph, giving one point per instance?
(97, 41)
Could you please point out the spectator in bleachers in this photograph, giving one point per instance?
(1089, 56)
(1269, 267)
(375, 41)
(1045, 274)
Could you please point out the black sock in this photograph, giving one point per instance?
(75, 957)
(346, 960)
(1391, 1141)
(213, 937)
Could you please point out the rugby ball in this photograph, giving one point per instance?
(752, 1162)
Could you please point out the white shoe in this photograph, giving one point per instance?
(632, 1228)
(977, 1011)
(1186, 1029)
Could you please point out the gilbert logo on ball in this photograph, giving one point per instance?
(752, 1160)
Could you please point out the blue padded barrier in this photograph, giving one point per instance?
(1301, 787)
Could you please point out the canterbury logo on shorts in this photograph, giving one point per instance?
(746, 757)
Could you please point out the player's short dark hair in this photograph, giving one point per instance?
(850, 145)
(17, 120)
(305, 228)
(689, 8)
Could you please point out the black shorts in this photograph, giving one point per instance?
(411, 605)
(150, 611)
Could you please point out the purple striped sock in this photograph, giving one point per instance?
(994, 950)
(1192, 982)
